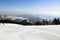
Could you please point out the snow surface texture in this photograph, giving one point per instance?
(19, 32)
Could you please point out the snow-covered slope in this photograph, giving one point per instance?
(12, 17)
(19, 32)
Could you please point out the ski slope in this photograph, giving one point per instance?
(19, 32)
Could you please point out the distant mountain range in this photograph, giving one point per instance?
(30, 17)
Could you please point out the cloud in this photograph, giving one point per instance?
(53, 11)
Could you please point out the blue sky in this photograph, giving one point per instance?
(32, 6)
(29, 4)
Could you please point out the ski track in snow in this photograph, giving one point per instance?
(19, 32)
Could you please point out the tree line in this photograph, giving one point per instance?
(55, 21)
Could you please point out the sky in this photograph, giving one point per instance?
(50, 7)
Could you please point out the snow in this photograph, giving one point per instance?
(12, 17)
(20, 32)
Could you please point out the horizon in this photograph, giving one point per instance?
(45, 7)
